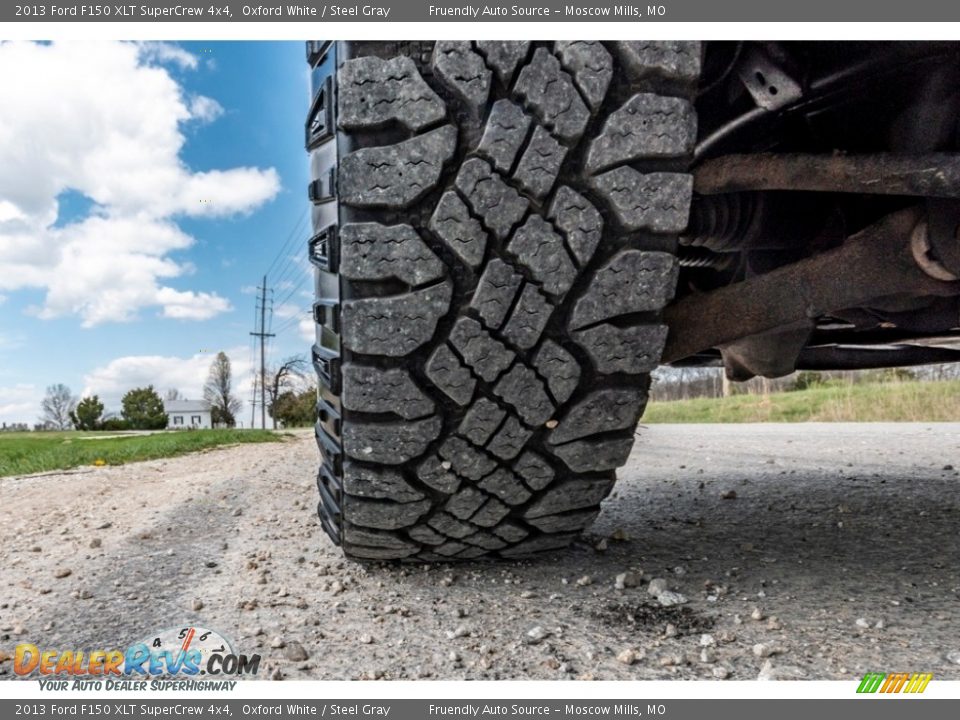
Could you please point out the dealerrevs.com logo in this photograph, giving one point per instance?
(173, 659)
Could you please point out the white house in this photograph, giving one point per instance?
(187, 414)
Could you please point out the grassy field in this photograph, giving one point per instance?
(832, 402)
(34, 452)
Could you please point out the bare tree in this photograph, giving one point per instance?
(281, 379)
(173, 394)
(57, 407)
(218, 392)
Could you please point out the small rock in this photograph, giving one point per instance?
(601, 546)
(708, 656)
(453, 656)
(954, 657)
(282, 591)
(537, 634)
(757, 614)
(720, 672)
(627, 657)
(668, 598)
(620, 535)
(584, 581)
(85, 594)
(774, 623)
(62, 572)
(366, 639)
(104, 526)
(729, 495)
(459, 632)
(197, 605)
(862, 623)
(706, 640)
(948, 467)
(277, 642)
(295, 652)
(276, 674)
(144, 534)
(527, 594)
(670, 631)
(36, 548)
(657, 586)
(626, 580)
(95, 543)
(237, 512)
(879, 625)
(551, 424)
(763, 650)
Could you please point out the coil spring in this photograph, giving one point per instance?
(722, 223)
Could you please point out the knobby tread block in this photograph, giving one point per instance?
(504, 134)
(481, 421)
(450, 375)
(675, 60)
(579, 220)
(631, 350)
(550, 91)
(510, 439)
(382, 483)
(376, 390)
(373, 92)
(487, 357)
(464, 235)
(591, 66)
(632, 281)
(522, 389)
(529, 318)
(497, 203)
(389, 443)
(462, 70)
(503, 56)
(540, 164)
(657, 201)
(541, 250)
(395, 325)
(560, 369)
(371, 251)
(601, 411)
(495, 324)
(495, 292)
(396, 176)
(646, 126)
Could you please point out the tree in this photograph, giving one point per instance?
(296, 409)
(172, 395)
(88, 414)
(218, 392)
(57, 406)
(282, 379)
(143, 409)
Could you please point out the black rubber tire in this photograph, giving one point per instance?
(490, 290)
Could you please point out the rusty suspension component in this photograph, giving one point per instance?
(878, 262)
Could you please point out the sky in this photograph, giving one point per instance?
(145, 189)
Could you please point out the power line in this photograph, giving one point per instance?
(262, 333)
(294, 233)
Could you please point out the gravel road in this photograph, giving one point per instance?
(816, 551)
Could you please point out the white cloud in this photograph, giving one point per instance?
(186, 374)
(110, 129)
(19, 403)
(307, 329)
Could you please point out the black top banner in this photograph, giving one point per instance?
(529, 11)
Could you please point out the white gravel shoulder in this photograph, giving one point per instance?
(818, 551)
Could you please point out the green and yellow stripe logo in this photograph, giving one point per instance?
(894, 682)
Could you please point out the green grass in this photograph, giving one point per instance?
(35, 452)
(832, 402)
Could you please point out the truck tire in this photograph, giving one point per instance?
(495, 230)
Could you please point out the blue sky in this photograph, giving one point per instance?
(142, 197)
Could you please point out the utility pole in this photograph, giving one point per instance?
(263, 335)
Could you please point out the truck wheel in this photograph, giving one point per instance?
(495, 225)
